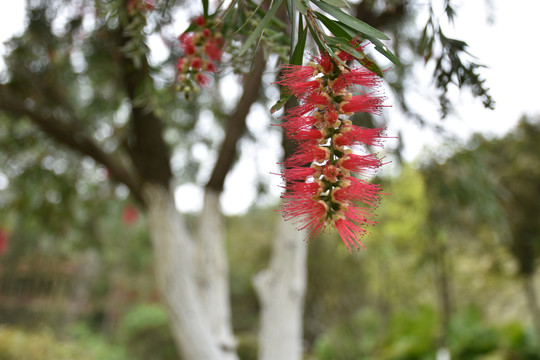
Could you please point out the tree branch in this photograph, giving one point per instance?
(146, 145)
(72, 137)
(237, 123)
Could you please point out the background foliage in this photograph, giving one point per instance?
(457, 236)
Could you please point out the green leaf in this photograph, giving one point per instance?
(358, 54)
(343, 44)
(337, 3)
(334, 26)
(320, 43)
(285, 96)
(323, 47)
(379, 46)
(360, 26)
(291, 9)
(301, 6)
(371, 66)
(229, 11)
(298, 53)
(256, 34)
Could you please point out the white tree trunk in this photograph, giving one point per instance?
(213, 274)
(281, 290)
(173, 250)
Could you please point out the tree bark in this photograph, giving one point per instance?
(174, 268)
(212, 266)
(532, 301)
(236, 123)
(281, 289)
(442, 279)
(213, 274)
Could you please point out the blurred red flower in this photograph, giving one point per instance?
(130, 215)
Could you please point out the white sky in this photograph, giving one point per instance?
(509, 47)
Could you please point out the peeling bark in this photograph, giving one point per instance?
(213, 274)
(281, 289)
(174, 270)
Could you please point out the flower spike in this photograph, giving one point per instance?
(321, 190)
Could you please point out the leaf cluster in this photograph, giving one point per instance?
(332, 29)
(453, 63)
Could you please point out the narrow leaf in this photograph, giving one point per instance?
(298, 53)
(343, 44)
(337, 3)
(301, 7)
(256, 34)
(358, 25)
(291, 9)
(333, 26)
(285, 96)
(379, 46)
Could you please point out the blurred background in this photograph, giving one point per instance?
(451, 264)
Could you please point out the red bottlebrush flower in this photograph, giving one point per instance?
(360, 135)
(212, 50)
(300, 173)
(199, 20)
(130, 215)
(202, 46)
(349, 229)
(358, 76)
(202, 79)
(180, 65)
(196, 63)
(363, 103)
(210, 67)
(294, 124)
(321, 190)
(293, 76)
(187, 43)
(306, 154)
(361, 164)
(4, 241)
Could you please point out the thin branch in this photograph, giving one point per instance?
(72, 137)
(236, 124)
(146, 145)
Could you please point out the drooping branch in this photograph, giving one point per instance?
(146, 145)
(237, 123)
(72, 136)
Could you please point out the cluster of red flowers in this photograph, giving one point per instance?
(321, 190)
(202, 47)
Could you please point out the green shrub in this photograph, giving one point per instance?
(144, 331)
(17, 344)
